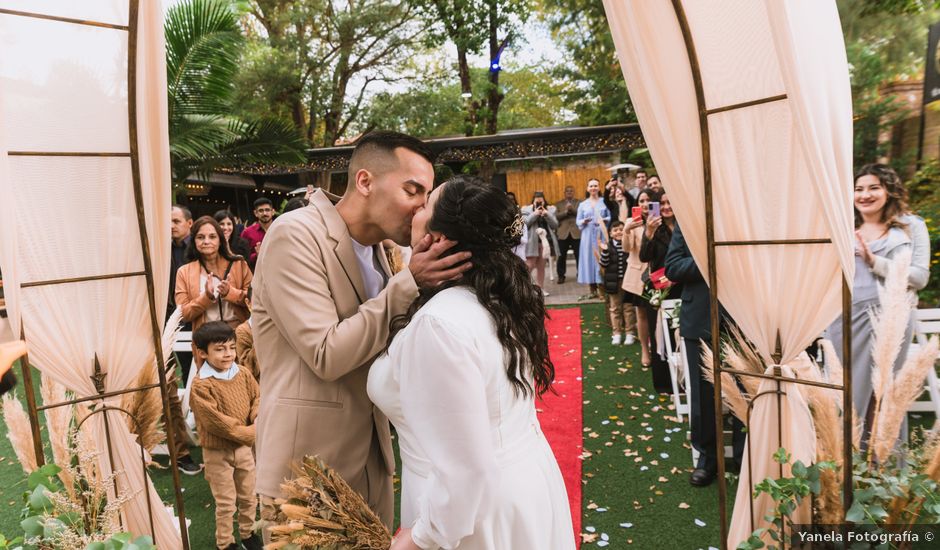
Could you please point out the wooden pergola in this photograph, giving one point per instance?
(455, 152)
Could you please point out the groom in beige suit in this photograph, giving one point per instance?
(323, 300)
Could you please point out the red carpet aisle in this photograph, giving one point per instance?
(560, 415)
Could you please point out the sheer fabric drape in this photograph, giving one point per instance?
(63, 88)
(781, 169)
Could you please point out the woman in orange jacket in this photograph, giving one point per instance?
(214, 284)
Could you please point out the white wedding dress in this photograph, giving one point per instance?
(477, 473)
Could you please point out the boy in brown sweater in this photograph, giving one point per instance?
(225, 401)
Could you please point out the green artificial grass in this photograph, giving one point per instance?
(12, 478)
(614, 384)
(634, 508)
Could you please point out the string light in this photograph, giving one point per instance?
(546, 147)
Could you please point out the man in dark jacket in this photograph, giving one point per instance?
(695, 325)
(181, 221)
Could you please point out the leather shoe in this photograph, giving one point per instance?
(561, 280)
(701, 478)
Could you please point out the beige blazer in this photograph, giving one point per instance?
(633, 278)
(315, 337)
(567, 222)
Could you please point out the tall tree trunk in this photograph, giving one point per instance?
(298, 114)
(493, 96)
(466, 88)
(334, 115)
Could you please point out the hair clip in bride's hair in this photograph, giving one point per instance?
(514, 229)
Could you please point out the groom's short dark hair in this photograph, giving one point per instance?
(375, 147)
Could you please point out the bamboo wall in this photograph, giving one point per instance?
(553, 182)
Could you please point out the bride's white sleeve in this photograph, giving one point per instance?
(444, 399)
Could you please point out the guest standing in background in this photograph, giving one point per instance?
(653, 248)
(883, 229)
(254, 233)
(225, 400)
(609, 189)
(695, 327)
(569, 236)
(235, 243)
(636, 269)
(181, 223)
(592, 213)
(537, 216)
(623, 205)
(614, 261)
(213, 286)
(639, 184)
(655, 184)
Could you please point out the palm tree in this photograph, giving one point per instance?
(203, 49)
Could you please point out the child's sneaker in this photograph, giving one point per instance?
(629, 340)
(615, 340)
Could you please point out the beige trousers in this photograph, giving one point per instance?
(231, 477)
(622, 315)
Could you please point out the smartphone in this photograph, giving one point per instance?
(636, 213)
(654, 209)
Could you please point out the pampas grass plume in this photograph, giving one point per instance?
(730, 391)
(900, 393)
(731, 394)
(59, 426)
(890, 324)
(19, 433)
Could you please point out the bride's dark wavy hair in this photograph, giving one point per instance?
(484, 220)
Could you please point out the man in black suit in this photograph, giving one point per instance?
(695, 325)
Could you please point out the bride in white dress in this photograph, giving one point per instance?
(459, 382)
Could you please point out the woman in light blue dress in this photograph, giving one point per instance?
(591, 214)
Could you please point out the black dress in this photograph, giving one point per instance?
(653, 252)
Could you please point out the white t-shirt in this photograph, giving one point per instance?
(371, 275)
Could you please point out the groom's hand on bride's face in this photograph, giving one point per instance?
(428, 267)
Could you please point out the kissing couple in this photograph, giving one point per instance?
(452, 349)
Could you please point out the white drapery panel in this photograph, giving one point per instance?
(781, 169)
(64, 89)
(798, 437)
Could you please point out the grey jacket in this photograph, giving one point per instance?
(914, 238)
(531, 223)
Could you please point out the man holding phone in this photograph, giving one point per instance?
(569, 236)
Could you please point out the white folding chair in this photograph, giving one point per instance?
(679, 373)
(927, 324)
(675, 357)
